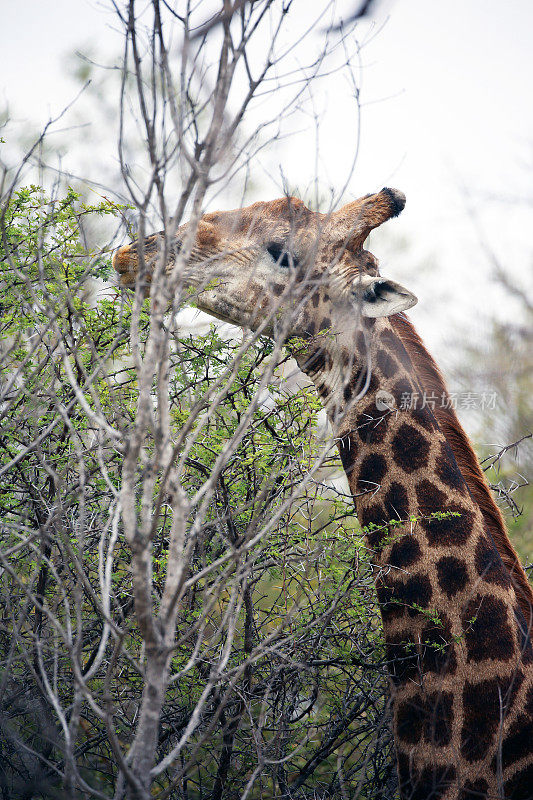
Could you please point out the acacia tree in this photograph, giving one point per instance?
(188, 609)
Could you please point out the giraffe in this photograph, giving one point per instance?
(459, 653)
(432, 384)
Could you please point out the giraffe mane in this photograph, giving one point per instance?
(430, 379)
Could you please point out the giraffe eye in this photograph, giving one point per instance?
(281, 256)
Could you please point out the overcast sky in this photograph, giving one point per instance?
(446, 90)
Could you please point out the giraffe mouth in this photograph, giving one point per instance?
(125, 259)
(122, 263)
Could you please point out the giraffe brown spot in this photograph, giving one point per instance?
(431, 783)
(481, 717)
(529, 701)
(395, 345)
(432, 717)
(397, 501)
(309, 329)
(407, 396)
(510, 749)
(439, 719)
(386, 364)
(447, 470)
(520, 786)
(415, 593)
(409, 448)
(510, 688)
(430, 499)
(372, 424)
(360, 344)
(410, 720)
(325, 324)
(487, 630)
(489, 564)
(404, 552)
(425, 418)
(475, 790)
(314, 299)
(359, 380)
(347, 358)
(452, 574)
(449, 531)
(411, 594)
(403, 658)
(524, 639)
(389, 609)
(373, 383)
(372, 519)
(438, 647)
(316, 361)
(404, 769)
(372, 471)
(403, 391)
(374, 514)
(278, 288)
(517, 743)
(347, 451)
(377, 537)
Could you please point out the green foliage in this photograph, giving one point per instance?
(311, 693)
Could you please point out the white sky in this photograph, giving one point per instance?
(446, 92)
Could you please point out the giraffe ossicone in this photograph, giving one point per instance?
(456, 618)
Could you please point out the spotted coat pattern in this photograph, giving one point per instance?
(459, 654)
(461, 663)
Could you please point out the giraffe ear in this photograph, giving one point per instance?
(381, 297)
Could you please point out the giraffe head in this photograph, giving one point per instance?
(280, 267)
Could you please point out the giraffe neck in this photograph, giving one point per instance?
(433, 385)
(459, 657)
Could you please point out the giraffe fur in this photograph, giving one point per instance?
(457, 638)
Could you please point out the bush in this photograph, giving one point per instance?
(276, 682)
